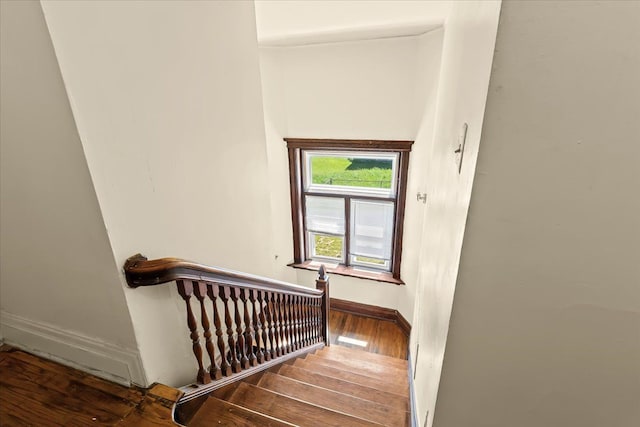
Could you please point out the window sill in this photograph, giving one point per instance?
(342, 270)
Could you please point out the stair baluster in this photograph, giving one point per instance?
(249, 328)
(316, 318)
(241, 344)
(213, 290)
(200, 291)
(258, 322)
(235, 363)
(285, 325)
(298, 320)
(273, 344)
(312, 321)
(303, 308)
(278, 317)
(264, 311)
(309, 310)
(185, 289)
(287, 321)
(305, 320)
(298, 307)
(293, 321)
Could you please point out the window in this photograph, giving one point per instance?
(347, 205)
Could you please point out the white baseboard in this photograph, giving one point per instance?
(99, 358)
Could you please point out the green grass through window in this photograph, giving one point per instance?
(356, 172)
(370, 260)
(328, 246)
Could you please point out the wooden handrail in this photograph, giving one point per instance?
(238, 323)
(139, 271)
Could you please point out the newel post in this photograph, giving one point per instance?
(322, 284)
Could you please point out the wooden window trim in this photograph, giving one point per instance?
(295, 147)
(343, 270)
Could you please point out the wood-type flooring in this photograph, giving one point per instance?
(382, 336)
(39, 392)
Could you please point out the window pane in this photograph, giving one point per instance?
(371, 229)
(352, 170)
(325, 214)
(368, 260)
(375, 263)
(326, 246)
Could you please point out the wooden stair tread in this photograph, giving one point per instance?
(383, 384)
(374, 370)
(338, 352)
(346, 387)
(334, 400)
(221, 413)
(289, 409)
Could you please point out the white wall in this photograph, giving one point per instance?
(60, 291)
(377, 89)
(469, 39)
(421, 88)
(428, 68)
(545, 329)
(168, 103)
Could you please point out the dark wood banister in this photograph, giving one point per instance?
(139, 271)
(281, 320)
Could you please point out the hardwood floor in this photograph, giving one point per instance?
(38, 392)
(382, 336)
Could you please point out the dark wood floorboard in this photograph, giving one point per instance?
(39, 392)
(382, 336)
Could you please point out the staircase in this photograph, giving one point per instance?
(334, 386)
(262, 353)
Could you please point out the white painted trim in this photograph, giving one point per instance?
(351, 34)
(99, 358)
(412, 394)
